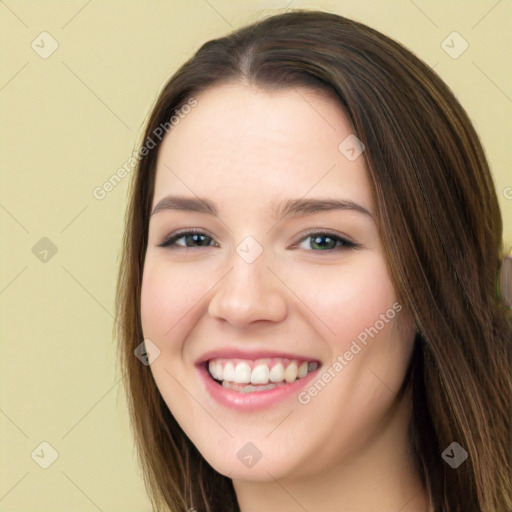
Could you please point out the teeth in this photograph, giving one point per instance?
(219, 370)
(290, 374)
(277, 373)
(246, 389)
(258, 374)
(212, 367)
(302, 370)
(229, 372)
(242, 373)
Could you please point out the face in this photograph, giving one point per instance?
(292, 310)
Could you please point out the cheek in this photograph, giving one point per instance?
(169, 297)
(346, 299)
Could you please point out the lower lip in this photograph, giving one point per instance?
(255, 400)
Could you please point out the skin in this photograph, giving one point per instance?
(245, 148)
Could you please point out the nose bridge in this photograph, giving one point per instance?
(249, 291)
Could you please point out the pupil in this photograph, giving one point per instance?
(322, 238)
(196, 238)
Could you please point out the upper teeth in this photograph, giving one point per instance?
(261, 371)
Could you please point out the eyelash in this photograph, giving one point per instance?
(170, 242)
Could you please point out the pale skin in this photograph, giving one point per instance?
(246, 149)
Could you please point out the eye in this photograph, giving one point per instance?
(192, 237)
(319, 241)
(324, 241)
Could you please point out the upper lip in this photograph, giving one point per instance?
(236, 353)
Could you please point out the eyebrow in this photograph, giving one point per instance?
(298, 207)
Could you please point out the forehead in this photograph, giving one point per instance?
(241, 142)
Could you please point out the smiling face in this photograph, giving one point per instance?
(254, 285)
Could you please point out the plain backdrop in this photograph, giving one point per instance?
(69, 119)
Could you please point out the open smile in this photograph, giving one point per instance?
(248, 385)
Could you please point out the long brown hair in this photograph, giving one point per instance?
(440, 223)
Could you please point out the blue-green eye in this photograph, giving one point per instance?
(319, 241)
(193, 237)
(326, 242)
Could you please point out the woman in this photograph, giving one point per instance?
(311, 255)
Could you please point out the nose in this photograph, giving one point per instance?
(248, 293)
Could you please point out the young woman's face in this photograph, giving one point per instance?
(255, 294)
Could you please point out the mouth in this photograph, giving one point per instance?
(254, 384)
(253, 376)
